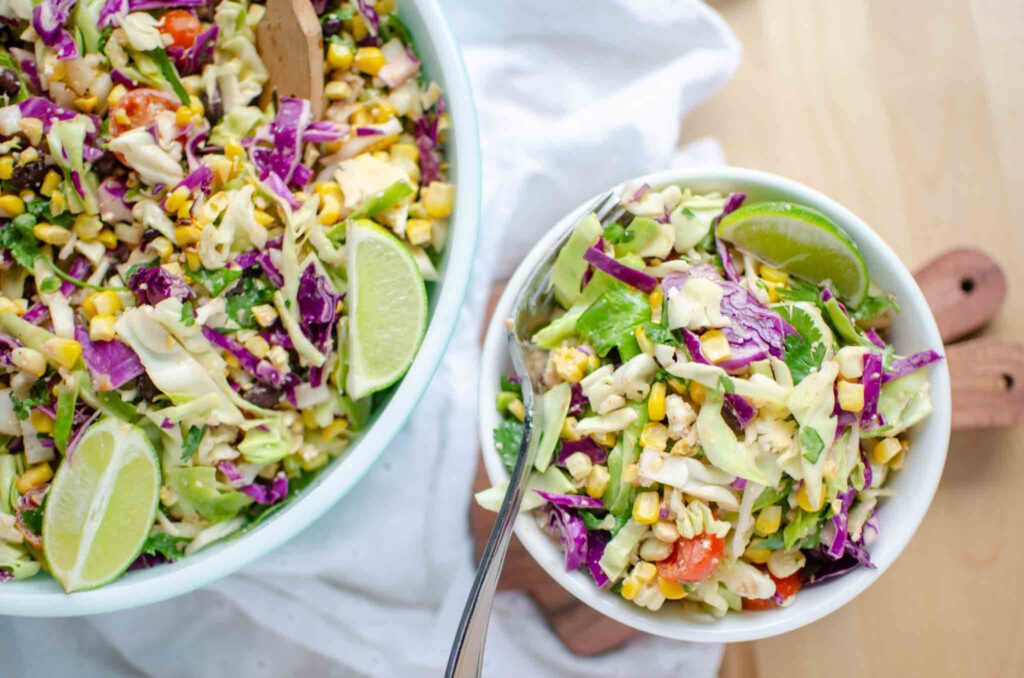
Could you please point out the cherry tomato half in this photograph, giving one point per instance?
(786, 588)
(693, 559)
(182, 26)
(140, 107)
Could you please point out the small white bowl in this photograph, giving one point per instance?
(913, 330)
(41, 596)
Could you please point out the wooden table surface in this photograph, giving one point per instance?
(911, 113)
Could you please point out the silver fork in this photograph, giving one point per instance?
(532, 310)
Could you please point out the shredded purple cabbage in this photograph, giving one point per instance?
(571, 532)
(154, 284)
(269, 494)
(191, 61)
(903, 366)
(112, 363)
(587, 446)
(571, 500)
(48, 19)
(740, 408)
(872, 381)
(261, 370)
(632, 277)
(429, 144)
(597, 540)
(318, 310)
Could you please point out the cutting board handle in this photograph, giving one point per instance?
(965, 289)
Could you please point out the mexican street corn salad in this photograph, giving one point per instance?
(720, 409)
(200, 295)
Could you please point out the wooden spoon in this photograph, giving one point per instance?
(292, 47)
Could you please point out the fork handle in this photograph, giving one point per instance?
(467, 656)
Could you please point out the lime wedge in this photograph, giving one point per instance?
(101, 506)
(800, 241)
(387, 308)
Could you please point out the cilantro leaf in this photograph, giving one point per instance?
(610, 321)
(163, 544)
(801, 357)
(803, 526)
(798, 290)
(216, 282)
(508, 437)
(770, 496)
(660, 334)
(872, 307)
(510, 386)
(17, 238)
(33, 520)
(811, 444)
(191, 441)
(37, 396)
(248, 293)
(616, 234)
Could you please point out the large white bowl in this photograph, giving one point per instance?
(913, 330)
(41, 596)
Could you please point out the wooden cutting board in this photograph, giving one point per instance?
(965, 289)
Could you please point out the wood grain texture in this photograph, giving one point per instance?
(911, 114)
(292, 47)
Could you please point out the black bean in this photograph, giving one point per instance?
(105, 165)
(147, 389)
(214, 108)
(262, 395)
(331, 26)
(29, 175)
(9, 83)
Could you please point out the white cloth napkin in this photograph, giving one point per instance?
(573, 97)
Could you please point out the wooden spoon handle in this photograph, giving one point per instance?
(987, 378)
(291, 45)
(965, 288)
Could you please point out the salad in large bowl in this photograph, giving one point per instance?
(200, 294)
(722, 412)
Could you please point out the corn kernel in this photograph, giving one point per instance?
(233, 149)
(58, 71)
(183, 116)
(656, 401)
(646, 508)
(645, 572)
(804, 502)
(419, 231)
(597, 481)
(262, 218)
(697, 392)
(569, 431)
(383, 111)
(851, 396)
(41, 422)
(604, 439)
(32, 128)
(108, 239)
(6, 167)
(185, 211)
(195, 105)
(407, 151)
(333, 430)
(187, 235)
(117, 92)
(896, 463)
(630, 587)
(646, 345)
(168, 497)
(64, 352)
(774, 275)
(121, 117)
(221, 167)
(653, 549)
(757, 556)
(317, 461)
(265, 314)
(50, 234)
(517, 409)
(87, 227)
(28, 155)
(672, 590)
(87, 104)
(258, 346)
(438, 199)
(34, 477)
(681, 448)
(768, 520)
(339, 55)
(715, 346)
(231, 361)
(106, 302)
(655, 300)
(654, 435)
(330, 210)
(385, 6)
(309, 419)
(50, 183)
(369, 60)
(8, 306)
(851, 361)
(29, 360)
(324, 188)
(336, 90)
(885, 449)
(56, 203)
(26, 195)
(193, 260)
(101, 327)
(579, 465)
(11, 206)
(176, 199)
(161, 247)
(677, 385)
(569, 363)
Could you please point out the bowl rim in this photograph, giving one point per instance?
(765, 624)
(192, 573)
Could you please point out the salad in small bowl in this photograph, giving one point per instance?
(744, 411)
